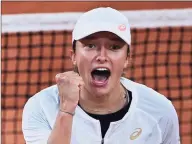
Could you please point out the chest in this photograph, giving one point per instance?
(128, 132)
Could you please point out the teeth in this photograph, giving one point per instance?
(101, 69)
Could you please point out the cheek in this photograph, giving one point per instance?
(84, 56)
(119, 62)
(83, 61)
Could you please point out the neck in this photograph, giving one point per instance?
(105, 104)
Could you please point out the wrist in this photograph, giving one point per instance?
(68, 107)
(66, 112)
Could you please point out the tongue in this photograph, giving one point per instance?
(99, 78)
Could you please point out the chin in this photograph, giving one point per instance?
(101, 93)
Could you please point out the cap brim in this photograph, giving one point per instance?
(91, 28)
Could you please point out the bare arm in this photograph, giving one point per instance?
(35, 126)
(37, 130)
(61, 134)
(68, 86)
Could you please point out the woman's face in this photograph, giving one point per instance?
(101, 59)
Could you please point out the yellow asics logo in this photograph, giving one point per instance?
(136, 134)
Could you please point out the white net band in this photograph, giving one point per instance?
(66, 21)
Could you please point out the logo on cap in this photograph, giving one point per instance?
(122, 27)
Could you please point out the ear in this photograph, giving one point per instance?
(128, 60)
(73, 57)
(126, 63)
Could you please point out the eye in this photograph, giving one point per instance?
(115, 47)
(91, 46)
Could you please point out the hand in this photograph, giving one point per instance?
(69, 85)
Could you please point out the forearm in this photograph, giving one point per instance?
(61, 133)
(68, 87)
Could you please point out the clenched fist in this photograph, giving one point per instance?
(69, 85)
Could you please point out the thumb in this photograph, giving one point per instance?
(81, 85)
(57, 78)
(81, 88)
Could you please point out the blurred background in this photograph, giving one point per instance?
(31, 56)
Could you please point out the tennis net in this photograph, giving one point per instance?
(35, 47)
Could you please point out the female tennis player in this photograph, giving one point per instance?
(94, 104)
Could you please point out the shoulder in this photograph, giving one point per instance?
(150, 101)
(154, 109)
(43, 105)
(45, 96)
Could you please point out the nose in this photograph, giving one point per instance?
(102, 55)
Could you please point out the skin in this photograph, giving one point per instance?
(102, 49)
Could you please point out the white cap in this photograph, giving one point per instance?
(102, 19)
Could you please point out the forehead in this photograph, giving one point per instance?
(108, 35)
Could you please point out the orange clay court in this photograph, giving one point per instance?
(29, 63)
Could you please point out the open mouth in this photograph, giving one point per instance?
(100, 75)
